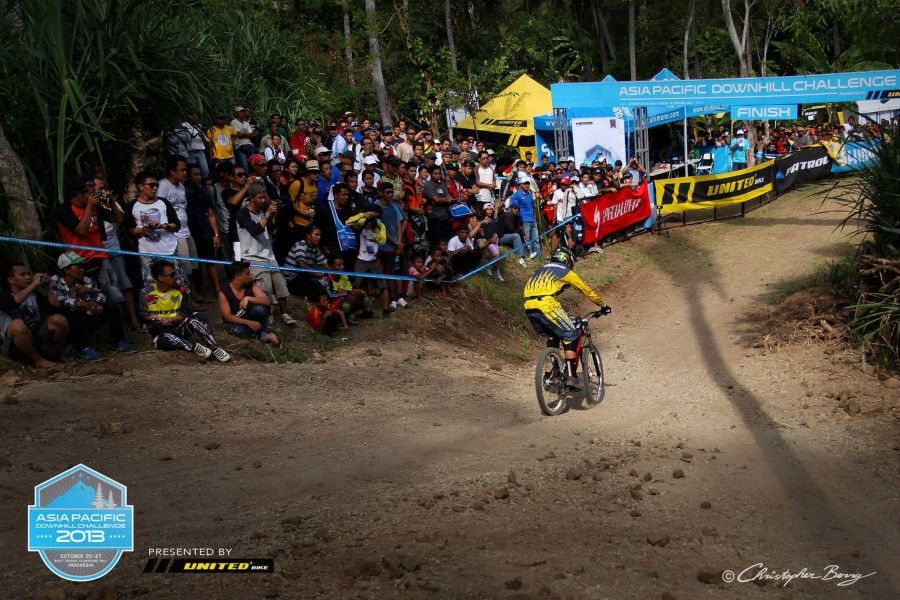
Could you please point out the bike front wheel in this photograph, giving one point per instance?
(550, 382)
(592, 375)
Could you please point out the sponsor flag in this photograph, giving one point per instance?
(807, 164)
(709, 191)
(615, 211)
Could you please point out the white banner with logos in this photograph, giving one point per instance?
(598, 138)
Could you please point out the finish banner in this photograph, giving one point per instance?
(613, 212)
(805, 165)
(709, 191)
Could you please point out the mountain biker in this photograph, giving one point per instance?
(546, 314)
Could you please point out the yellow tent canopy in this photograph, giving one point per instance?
(507, 119)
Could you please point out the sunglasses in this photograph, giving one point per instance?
(240, 174)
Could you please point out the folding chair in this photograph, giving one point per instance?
(706, 164)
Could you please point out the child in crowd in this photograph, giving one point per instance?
(438, 267)
(418, 270)
(341, 293)
(324, 319)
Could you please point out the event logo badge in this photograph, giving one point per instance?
(80, 524)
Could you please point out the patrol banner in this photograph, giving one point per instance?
(613, 212)
(709, 191)
(805, 165)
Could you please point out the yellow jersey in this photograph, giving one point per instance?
(548, 281)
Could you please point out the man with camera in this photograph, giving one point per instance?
(82, 222)
(29, 332)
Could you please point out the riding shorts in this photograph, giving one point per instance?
(553, 323)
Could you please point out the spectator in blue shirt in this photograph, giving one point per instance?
(739, 151)
(524, 200)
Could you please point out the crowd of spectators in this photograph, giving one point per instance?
(412, 210)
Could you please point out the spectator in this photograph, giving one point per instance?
(244, 136)
(268, 141)
(372, 234)
(306, 254)
(436, 192)
(638, 173)
(298, 141)
(85, 308)
(204, 226)
(153, 222)
(221, 138)
(524, 200)
(438, 267)
(274, 151)
(739, 151)
(30, 332)
(341, 293)
(171, 189)
(490, 232)
(487, 179)
(464, 257)
(117, 261)
(392, 248)
(329, 221)
(327, 178)
(511, 232)
(324, 318)
(82, 222)
(368, 190)
(191, 143)
(166, 317)
(254, 221)
(245, 307)
(302, 194)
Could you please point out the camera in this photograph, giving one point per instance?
(44, 279)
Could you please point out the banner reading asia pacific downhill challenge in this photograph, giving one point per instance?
(615, 211)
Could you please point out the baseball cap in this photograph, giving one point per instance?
(452, 166)
(490, 152)
(454, 148)
(524, 181)
(322, 150)
(348, 154)
(312, 165)
(68, 258)
(431, 155)
(740, 132)
(354, 124)
(469, 163)
(370, 160)
(239, 108)
(394, 161)
(565, 181)
(255, 189)
(256, 159)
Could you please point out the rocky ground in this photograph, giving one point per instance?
(414, 462)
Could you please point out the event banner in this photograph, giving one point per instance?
(709, 191)
(739, 113)
(598, 138)
(613, 212)
(850, 156)
(805, 165)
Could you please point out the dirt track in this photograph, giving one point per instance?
(411, 446)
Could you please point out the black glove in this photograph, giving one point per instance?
(606, 310)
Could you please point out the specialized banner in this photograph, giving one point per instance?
(805, 165)
(850, 156)
(613, 212)
(708, 191)
(599, 138)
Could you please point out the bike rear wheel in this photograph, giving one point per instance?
(550, 382)
(592, 375)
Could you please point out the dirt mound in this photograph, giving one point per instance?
(816, 314)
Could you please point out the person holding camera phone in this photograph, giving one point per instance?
(30, 334)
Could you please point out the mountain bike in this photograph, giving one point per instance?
(550, 372)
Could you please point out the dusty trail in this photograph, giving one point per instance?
(406, 445)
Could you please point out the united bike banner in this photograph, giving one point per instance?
(850, 156)
(613, 212)
(709, 191)
(805, 165)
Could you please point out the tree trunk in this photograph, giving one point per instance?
(377, 75)
(687, 39)
(741, 48)
(23, 215)
(604, 31)
(139, 152)
(451, 42)
(632, 56)
(348, 46)
(604, 60)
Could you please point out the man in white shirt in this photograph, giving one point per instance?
(464, 257)
(586, 187)
(189, 142)
(244, 140)
(486, 180)
(171, 189)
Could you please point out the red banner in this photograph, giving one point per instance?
(614, 211)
